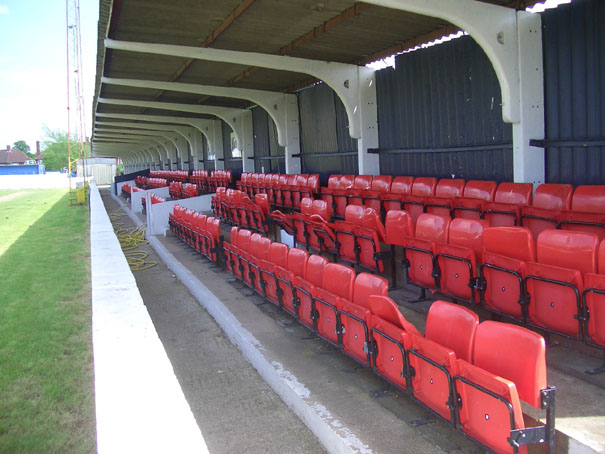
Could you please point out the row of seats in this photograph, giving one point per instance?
(219, 179)
(140, 181)
(542, 283)
(507, 204)
(178, 190)
(236, 208)
(170, 175)
(201, 232)
(155, 199)
(469, 374)
(200, 179)
(128, 189)
(154, 183)
(284, 191)
(356, 240)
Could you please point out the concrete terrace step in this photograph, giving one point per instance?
(351, 409)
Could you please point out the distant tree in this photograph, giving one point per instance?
(24, 147)
(55, 149)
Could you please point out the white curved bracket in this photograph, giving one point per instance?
(184, 131)
(343, 78)
(493, 27)
(141, 140)
(273, 102)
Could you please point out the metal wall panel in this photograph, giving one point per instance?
(324, 129)
(265, 143)
(442, 97)
(574, 89)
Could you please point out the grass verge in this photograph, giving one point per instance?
(46, 368)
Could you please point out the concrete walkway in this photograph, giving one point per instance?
(140, 406)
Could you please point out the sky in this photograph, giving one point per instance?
(33, 67)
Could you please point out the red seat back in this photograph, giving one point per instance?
(468, 233)
(432, 227)
(452, 326)
(346, 181)
(362, 182)
(316, 266)
(262, 201)
(517, 193)
(371, 220)
(449, 188)
(515, 242)
(301, 180)
(382, 183)
(278, 254)
(313, 182)
(402, 185)
(553, 196)
(306, 206)
(366, 285)
(254, 244)
(333, 181)
(590, 199)
(354, 214)
(479, 189)
(514, 353)
(297, 261)
(386, 309)
(320, 207)
(339, 279)
(424, 186)
(568, 249)
(398, 227)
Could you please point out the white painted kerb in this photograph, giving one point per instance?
(140, 406)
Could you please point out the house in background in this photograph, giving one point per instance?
(15, 162)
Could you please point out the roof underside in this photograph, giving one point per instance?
(329, 30)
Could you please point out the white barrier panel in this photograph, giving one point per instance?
(157, 215)
(122, 183)
(135, 198)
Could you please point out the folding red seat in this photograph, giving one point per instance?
(261, 189)
(278, 257)
(241, 251)
(381, 185)
(457, 260)
(369, 236)
(587, 211)
(549, 200)
(449, 334)
(311, 188)
(213, 229)
(339, 195)
(286, 191)
(239, 185)
(247, 257)
(277, 190)
(593, 299)
(300, 221)
(172, 218)
(261, 254)
(422, 188)
(336, 290)
(505, 210)
(390, 335)
(245, 210)
(555, 283)
(443, 201)
(296, 190)
(506, 251)
(361, 183)
(287, 278)
(509, 365)
(199, 233)
(400, 187)
(476, 194)
(319, 209)
(348, 250)
(260, 212)
(327, 192)
(398, 230)
(230, 251)
(355, 316)
(420, 251)
(306, 287)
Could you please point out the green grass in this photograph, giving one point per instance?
(46, 373)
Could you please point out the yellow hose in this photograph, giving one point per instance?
(130, 240)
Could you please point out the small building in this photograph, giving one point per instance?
(15, 162)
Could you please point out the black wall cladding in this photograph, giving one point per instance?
(235, 165)
(324, 129)
(266, 144)
(439, 97)
(574, 90)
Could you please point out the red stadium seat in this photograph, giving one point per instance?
(555, 283)
(587, 211)
(400, 187)
(476, 194)
(457, 260)
(549, 200)
(278, 257)
(307, 287)
(287, 278)
(506, 251)
(361, 183)
(355, 316)
(422, 188)
(446, 192)
(381, 185)
(505, 210)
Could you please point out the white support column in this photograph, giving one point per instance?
(197, 153)
(369, 164)
(247, 146)
(293, 165)
(528, 162)
(217, 145)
